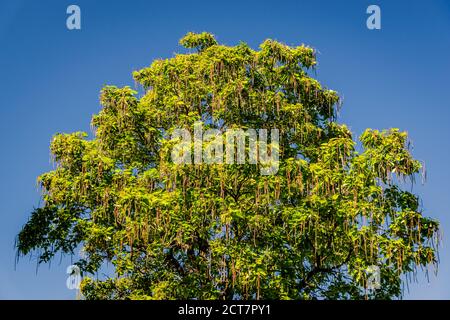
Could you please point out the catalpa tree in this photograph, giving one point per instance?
(182, 230)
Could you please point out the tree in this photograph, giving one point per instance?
(222, 231)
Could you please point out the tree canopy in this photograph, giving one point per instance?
(171, 230)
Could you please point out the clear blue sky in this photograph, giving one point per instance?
(50, 80)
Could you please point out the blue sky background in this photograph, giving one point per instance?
(50, 80)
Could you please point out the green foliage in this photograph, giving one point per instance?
(199, 41)
(223, 231)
